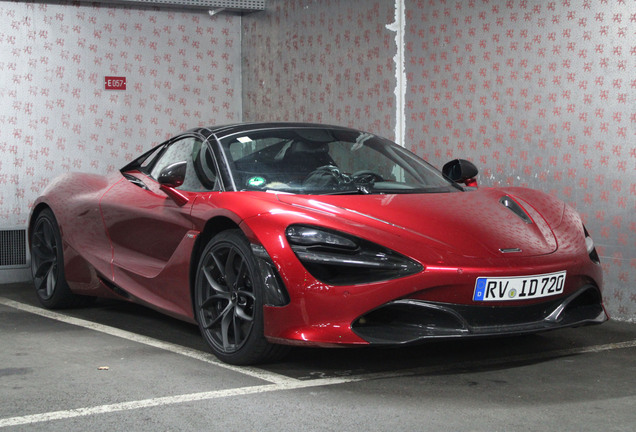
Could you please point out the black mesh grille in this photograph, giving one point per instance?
(12, 248)
(239, 5)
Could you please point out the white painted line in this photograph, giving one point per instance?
(292, 385)
(166, 346)
(279, 383)
(399, 27)
(171, 400)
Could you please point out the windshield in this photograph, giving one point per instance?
(327, 161)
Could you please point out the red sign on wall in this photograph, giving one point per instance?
(114, 83)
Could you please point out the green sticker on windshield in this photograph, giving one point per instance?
(256, 181)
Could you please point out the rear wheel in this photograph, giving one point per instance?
(228, 301)
(47, 265)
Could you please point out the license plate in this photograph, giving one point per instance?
(519, 287)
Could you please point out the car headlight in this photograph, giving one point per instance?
(341, 259)
(591, 249)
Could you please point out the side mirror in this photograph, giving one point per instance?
(461, 171)
(173, 175)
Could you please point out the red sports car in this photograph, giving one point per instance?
(269, 235)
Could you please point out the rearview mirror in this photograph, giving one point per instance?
(173, 175)
(461, 171)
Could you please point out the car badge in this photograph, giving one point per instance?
(510, 250)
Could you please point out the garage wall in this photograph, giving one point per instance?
(539, 94)
(536, 93)
(182, 70)
(327, 61)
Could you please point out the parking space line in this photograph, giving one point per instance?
(156, 343)
(168, 400)
(295, 385)
(277, 382)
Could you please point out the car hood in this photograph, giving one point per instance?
(470, 224)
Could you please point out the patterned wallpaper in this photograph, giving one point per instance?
(182, 70)
(539, 94)
(536, 93)
(328, 61)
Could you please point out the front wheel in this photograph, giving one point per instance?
(47, 265)
(228, 301)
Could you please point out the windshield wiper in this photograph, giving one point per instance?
(359, 190)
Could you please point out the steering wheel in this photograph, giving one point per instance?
(366, 176)
(326, 175)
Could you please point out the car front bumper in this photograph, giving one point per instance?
(409, 321)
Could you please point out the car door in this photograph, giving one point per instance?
(151, 233)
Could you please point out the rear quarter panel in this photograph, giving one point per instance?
(74, 199)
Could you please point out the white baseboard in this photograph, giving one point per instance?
(15, 275)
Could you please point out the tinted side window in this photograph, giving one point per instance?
(188, 150)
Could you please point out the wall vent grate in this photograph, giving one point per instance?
(234, 5)
(13, 249)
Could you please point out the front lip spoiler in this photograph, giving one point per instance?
(409, 321)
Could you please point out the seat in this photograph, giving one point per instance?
(303, 157)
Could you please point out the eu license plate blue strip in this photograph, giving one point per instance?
(519, 287)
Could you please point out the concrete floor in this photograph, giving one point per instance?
(160, 377)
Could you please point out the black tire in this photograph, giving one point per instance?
(228, 302)
(47, 265)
